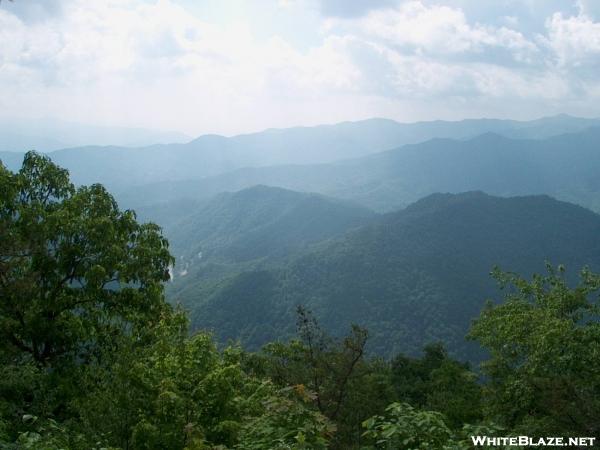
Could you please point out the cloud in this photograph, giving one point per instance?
(351, 8)
(155, 63)
(574, 41)
(589, 8)
(439, 30)
(420, 52)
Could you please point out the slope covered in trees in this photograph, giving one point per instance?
(256, 227)
(92, 356)
(262, 221)
(415, 276)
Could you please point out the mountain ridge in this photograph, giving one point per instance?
(563, 166)
(211, 155)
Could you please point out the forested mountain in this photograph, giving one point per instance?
(261, 221)
(564, 166)
(256, 227)
(211, 155)
(415, 276)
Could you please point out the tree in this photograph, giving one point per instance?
(405, 427)
(332, 371)
(332, 366)
(544, 342)
(439, 383)
(74, 269)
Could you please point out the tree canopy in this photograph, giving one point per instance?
(544, 342)
(73, 268)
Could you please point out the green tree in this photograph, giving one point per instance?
(343, 386)
(74, 269)
(76, 274)
(285, 420)
(439, 383)
(405, 427)
(180, 392)
(544, 342)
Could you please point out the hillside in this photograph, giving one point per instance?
(261, 221)
(415, 276)
(255, 227)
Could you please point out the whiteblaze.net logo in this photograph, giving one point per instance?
(527, 441)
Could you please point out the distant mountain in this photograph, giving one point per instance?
(45, 135)
(412, 277)
(549, 126)
(211, 155)
(564, 166)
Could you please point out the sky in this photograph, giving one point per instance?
(234, 66)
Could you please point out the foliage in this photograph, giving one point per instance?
(94, 357)
(287, 421)
(405, 427)
(544, 342)
(74, 269)
(439, 383)
(332, 373)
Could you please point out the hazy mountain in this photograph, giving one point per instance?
(210, 155)
(564, 166)
(549, 126)
(415, 276)
(45, 135)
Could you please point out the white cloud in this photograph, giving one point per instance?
(437, 30)
(159, 56)
(155, 63)
(574, 40)
(433, 52)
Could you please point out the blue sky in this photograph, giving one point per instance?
(233, 66)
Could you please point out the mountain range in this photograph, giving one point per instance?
(254, 228)
(564, 166)
(121, 167)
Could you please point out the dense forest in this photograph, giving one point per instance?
(92, 356)
(411, 277)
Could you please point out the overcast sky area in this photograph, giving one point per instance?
(233, 66)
